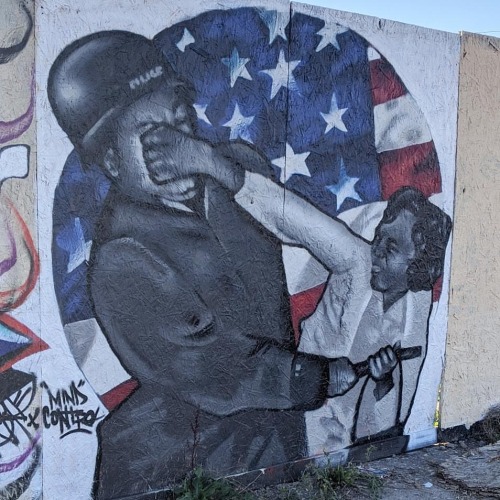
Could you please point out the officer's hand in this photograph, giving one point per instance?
(382, 363)
(342, 376)
(170, 154)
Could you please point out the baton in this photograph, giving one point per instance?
(362, 369)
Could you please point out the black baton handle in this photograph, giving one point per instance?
(362, 369)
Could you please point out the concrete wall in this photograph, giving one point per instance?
(230, 275)
(472, 377)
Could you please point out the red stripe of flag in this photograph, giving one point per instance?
(303, 304)
(416, 166)
(118, 394)
(386, 84)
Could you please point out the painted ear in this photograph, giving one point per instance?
(110, 163)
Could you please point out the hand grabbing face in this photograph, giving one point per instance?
(171, 154)
(153, 154)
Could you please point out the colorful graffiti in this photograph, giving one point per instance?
(16, 27)
(20, 448)
(20, 434)
(243, 242)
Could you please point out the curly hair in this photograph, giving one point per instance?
(430, 235)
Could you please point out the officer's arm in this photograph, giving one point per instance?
(296, 221)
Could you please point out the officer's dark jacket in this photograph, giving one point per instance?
(195, 307)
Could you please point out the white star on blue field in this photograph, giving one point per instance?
(298, 89)
(276, 22)
(187, 39)
(237, 66)
(333, 118)
(302, 96)
(292, 164)
(239, 125)
(345, 187)
(282, 74)
(77, 246)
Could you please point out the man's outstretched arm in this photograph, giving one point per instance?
(295, 221)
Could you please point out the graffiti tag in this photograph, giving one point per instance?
(65, 410)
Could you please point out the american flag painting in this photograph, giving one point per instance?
(326, 108)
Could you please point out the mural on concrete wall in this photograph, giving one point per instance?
(20, 432)
(245, 256)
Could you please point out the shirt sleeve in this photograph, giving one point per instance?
(297, 222)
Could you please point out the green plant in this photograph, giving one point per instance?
(374, 484)
(338, 482)
(201, 486)
(437, 413)
(341, 475)
(327, 481)
(369, 451)
(287, 493)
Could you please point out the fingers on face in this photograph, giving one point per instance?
(161, 171)
(158, 152)
(162, 135)
(156, 136)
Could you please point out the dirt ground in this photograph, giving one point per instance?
(445, 471)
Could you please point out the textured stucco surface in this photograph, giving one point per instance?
(471, 383)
